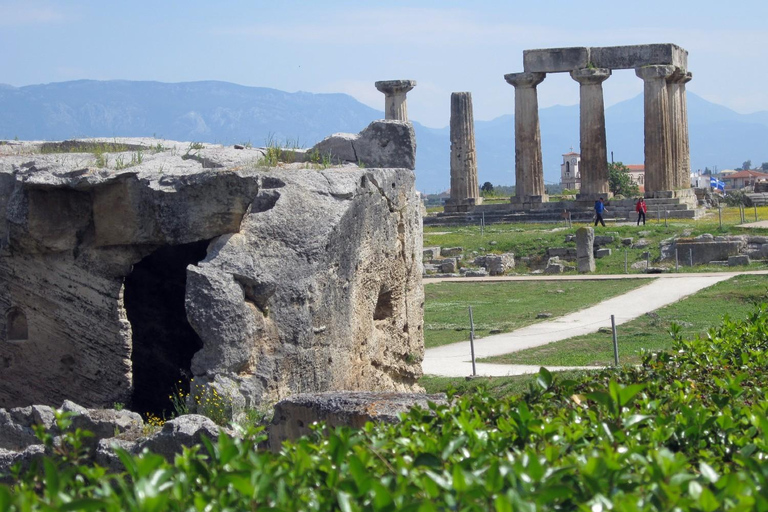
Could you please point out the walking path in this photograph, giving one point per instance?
(454, 360)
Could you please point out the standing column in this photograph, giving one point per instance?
(685, 145)
(465, 192)
(659, 173)
(594, 155)
(394, 97)
(529, 171)
(676, 126)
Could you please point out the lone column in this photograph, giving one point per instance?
(465, 192)
(394, 97)
(660, 176)
(676, 125)
(594, 155)
(529, 170)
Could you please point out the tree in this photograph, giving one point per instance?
(747, 165)
(619, 180)
(487, 187)
(764, 166)
(707, 171)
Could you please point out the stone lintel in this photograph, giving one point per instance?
(395, 86)
(558, 60)
(524, 80)
(590, 76)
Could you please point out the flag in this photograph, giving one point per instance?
(713, 182)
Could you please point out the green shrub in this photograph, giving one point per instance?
(686, 430)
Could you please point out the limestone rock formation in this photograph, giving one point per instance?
(128, 267)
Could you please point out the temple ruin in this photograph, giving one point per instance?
(664, 71)
(465, 192)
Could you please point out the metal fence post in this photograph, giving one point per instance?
(472, 340)
(690, 255)
(720, 215)
(677, 262)
(615, 341)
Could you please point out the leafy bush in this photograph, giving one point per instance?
(686, 430)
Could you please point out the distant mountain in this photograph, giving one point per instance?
(228, 113)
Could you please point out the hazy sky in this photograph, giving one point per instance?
(345, 46)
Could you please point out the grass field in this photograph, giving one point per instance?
(696, 314)
(496, 386)
(506, 306)
(532, 240)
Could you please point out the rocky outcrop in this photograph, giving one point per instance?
(123, 272)
(295, 415)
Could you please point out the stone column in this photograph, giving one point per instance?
(594, 155)
(660, 176)
(685, 147)
(465, 192)
(676, 125)
(529, 171)
(394, 97)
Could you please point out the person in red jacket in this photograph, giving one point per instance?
(641, 208)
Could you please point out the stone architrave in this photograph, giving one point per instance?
(660, 174)
(594, 155)
(529, 170)
(394, 91)
(585, 242)
(465, 192)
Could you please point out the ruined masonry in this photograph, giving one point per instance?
(465, 192)
(130, 265)
(663, 69)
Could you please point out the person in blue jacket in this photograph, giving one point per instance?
(599, 209)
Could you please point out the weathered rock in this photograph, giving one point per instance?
(554, 266)
(478, 272)
(544, 315)
(641, 244)
(282, 279)
(449, 266)
(384, 143)
(430, 253)
(585, 259)
(498, 264)
(627, 241)
(447, 252)
(479, 261)
(602, 253)
(603, 240)
(294, 415)
(187, 430)
(570, 238)
(24, 458)
(741, 259)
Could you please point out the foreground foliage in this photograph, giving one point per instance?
(684, 431)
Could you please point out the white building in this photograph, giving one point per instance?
(570, 174)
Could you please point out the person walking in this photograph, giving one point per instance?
(599, 209)
(641, 208)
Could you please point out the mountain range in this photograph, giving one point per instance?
(227, 113)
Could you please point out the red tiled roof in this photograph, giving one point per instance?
(746, 174)
(636, 167)
(570, 154)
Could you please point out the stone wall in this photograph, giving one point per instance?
(266, 281)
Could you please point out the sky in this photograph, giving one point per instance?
(345, 46)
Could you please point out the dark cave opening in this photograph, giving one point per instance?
(163, 340)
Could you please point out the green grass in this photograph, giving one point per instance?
(498, 387)
(532, 240)
(696, 314)
(506, 306)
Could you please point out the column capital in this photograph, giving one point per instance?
(590, 76)
(687, 78)
(655, 72)
(395, 86)
(525, 80)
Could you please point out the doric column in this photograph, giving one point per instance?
(676, 126)
(529, 171)
(594, 155)
(659, 171)
(394, 97)
(685, 145)
(464, 189)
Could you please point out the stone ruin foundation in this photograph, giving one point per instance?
(130, 267)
